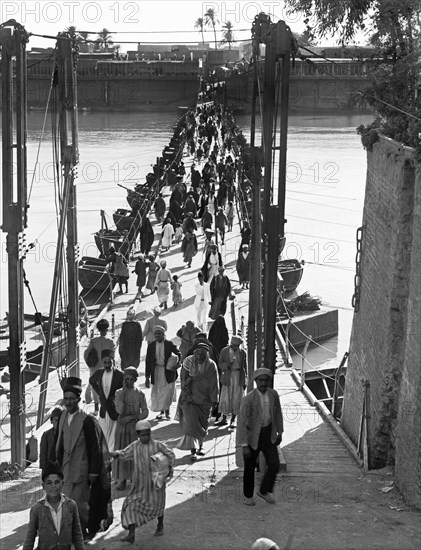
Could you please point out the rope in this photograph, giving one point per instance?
(42, 134)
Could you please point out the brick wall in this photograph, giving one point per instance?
(382, 349)
(408, 428)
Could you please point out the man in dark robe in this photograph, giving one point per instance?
(147, 236)
(160, 207)
(81, 451)
(220, 289)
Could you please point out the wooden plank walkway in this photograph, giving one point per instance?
(310, 446)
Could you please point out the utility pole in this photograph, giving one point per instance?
(66, 82)
(14, 184)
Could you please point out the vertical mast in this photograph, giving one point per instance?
(66, 81)
(14, 185)
(69, 159)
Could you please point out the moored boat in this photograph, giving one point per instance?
(292, 272)
(94, 277)
(105, 238)
(126, 220)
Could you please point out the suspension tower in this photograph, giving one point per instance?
(14, 182)
(268, 217)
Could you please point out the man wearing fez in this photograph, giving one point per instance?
(157, 373)
(93, 356)
(81, 452)
(105, 382)
(260, 428)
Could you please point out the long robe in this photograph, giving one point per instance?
(140, 270)
(145, 501)
(199, 390)
(130, 344)
(189, 247)
(152, 272)
(163, 284)
(147, 236)
(201, 304)
(128, 402)
(220, 290)
(167, 235)
(81, 450)
(243, 267)
(160, 208)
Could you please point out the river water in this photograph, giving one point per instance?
(324, 200)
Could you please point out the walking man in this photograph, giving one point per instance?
(151, 323)
(106, 382)
(220, 289)
(157, 373)
(93, 356)
(221, 221)
(260, 428)
(146, 499)
(79, 451)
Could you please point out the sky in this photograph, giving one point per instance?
(133, 21)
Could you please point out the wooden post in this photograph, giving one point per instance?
(336, 385)
(367, 418)
(303, 374)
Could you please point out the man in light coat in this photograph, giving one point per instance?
(260, 428)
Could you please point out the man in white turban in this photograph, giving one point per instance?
(260, 428)
(146, 499)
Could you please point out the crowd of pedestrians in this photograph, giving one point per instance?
(211, 368)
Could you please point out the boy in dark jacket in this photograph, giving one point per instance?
(54, 518)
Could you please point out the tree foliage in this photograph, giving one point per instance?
(199, 24)
(211, 20)
(393, 28)
(227, 34)
(104, 39)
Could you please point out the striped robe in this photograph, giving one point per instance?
(145, 501)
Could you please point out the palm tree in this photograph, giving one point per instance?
(199, 25)
(228, 36)
(71, 30)
(211, 20)
(104, 39)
